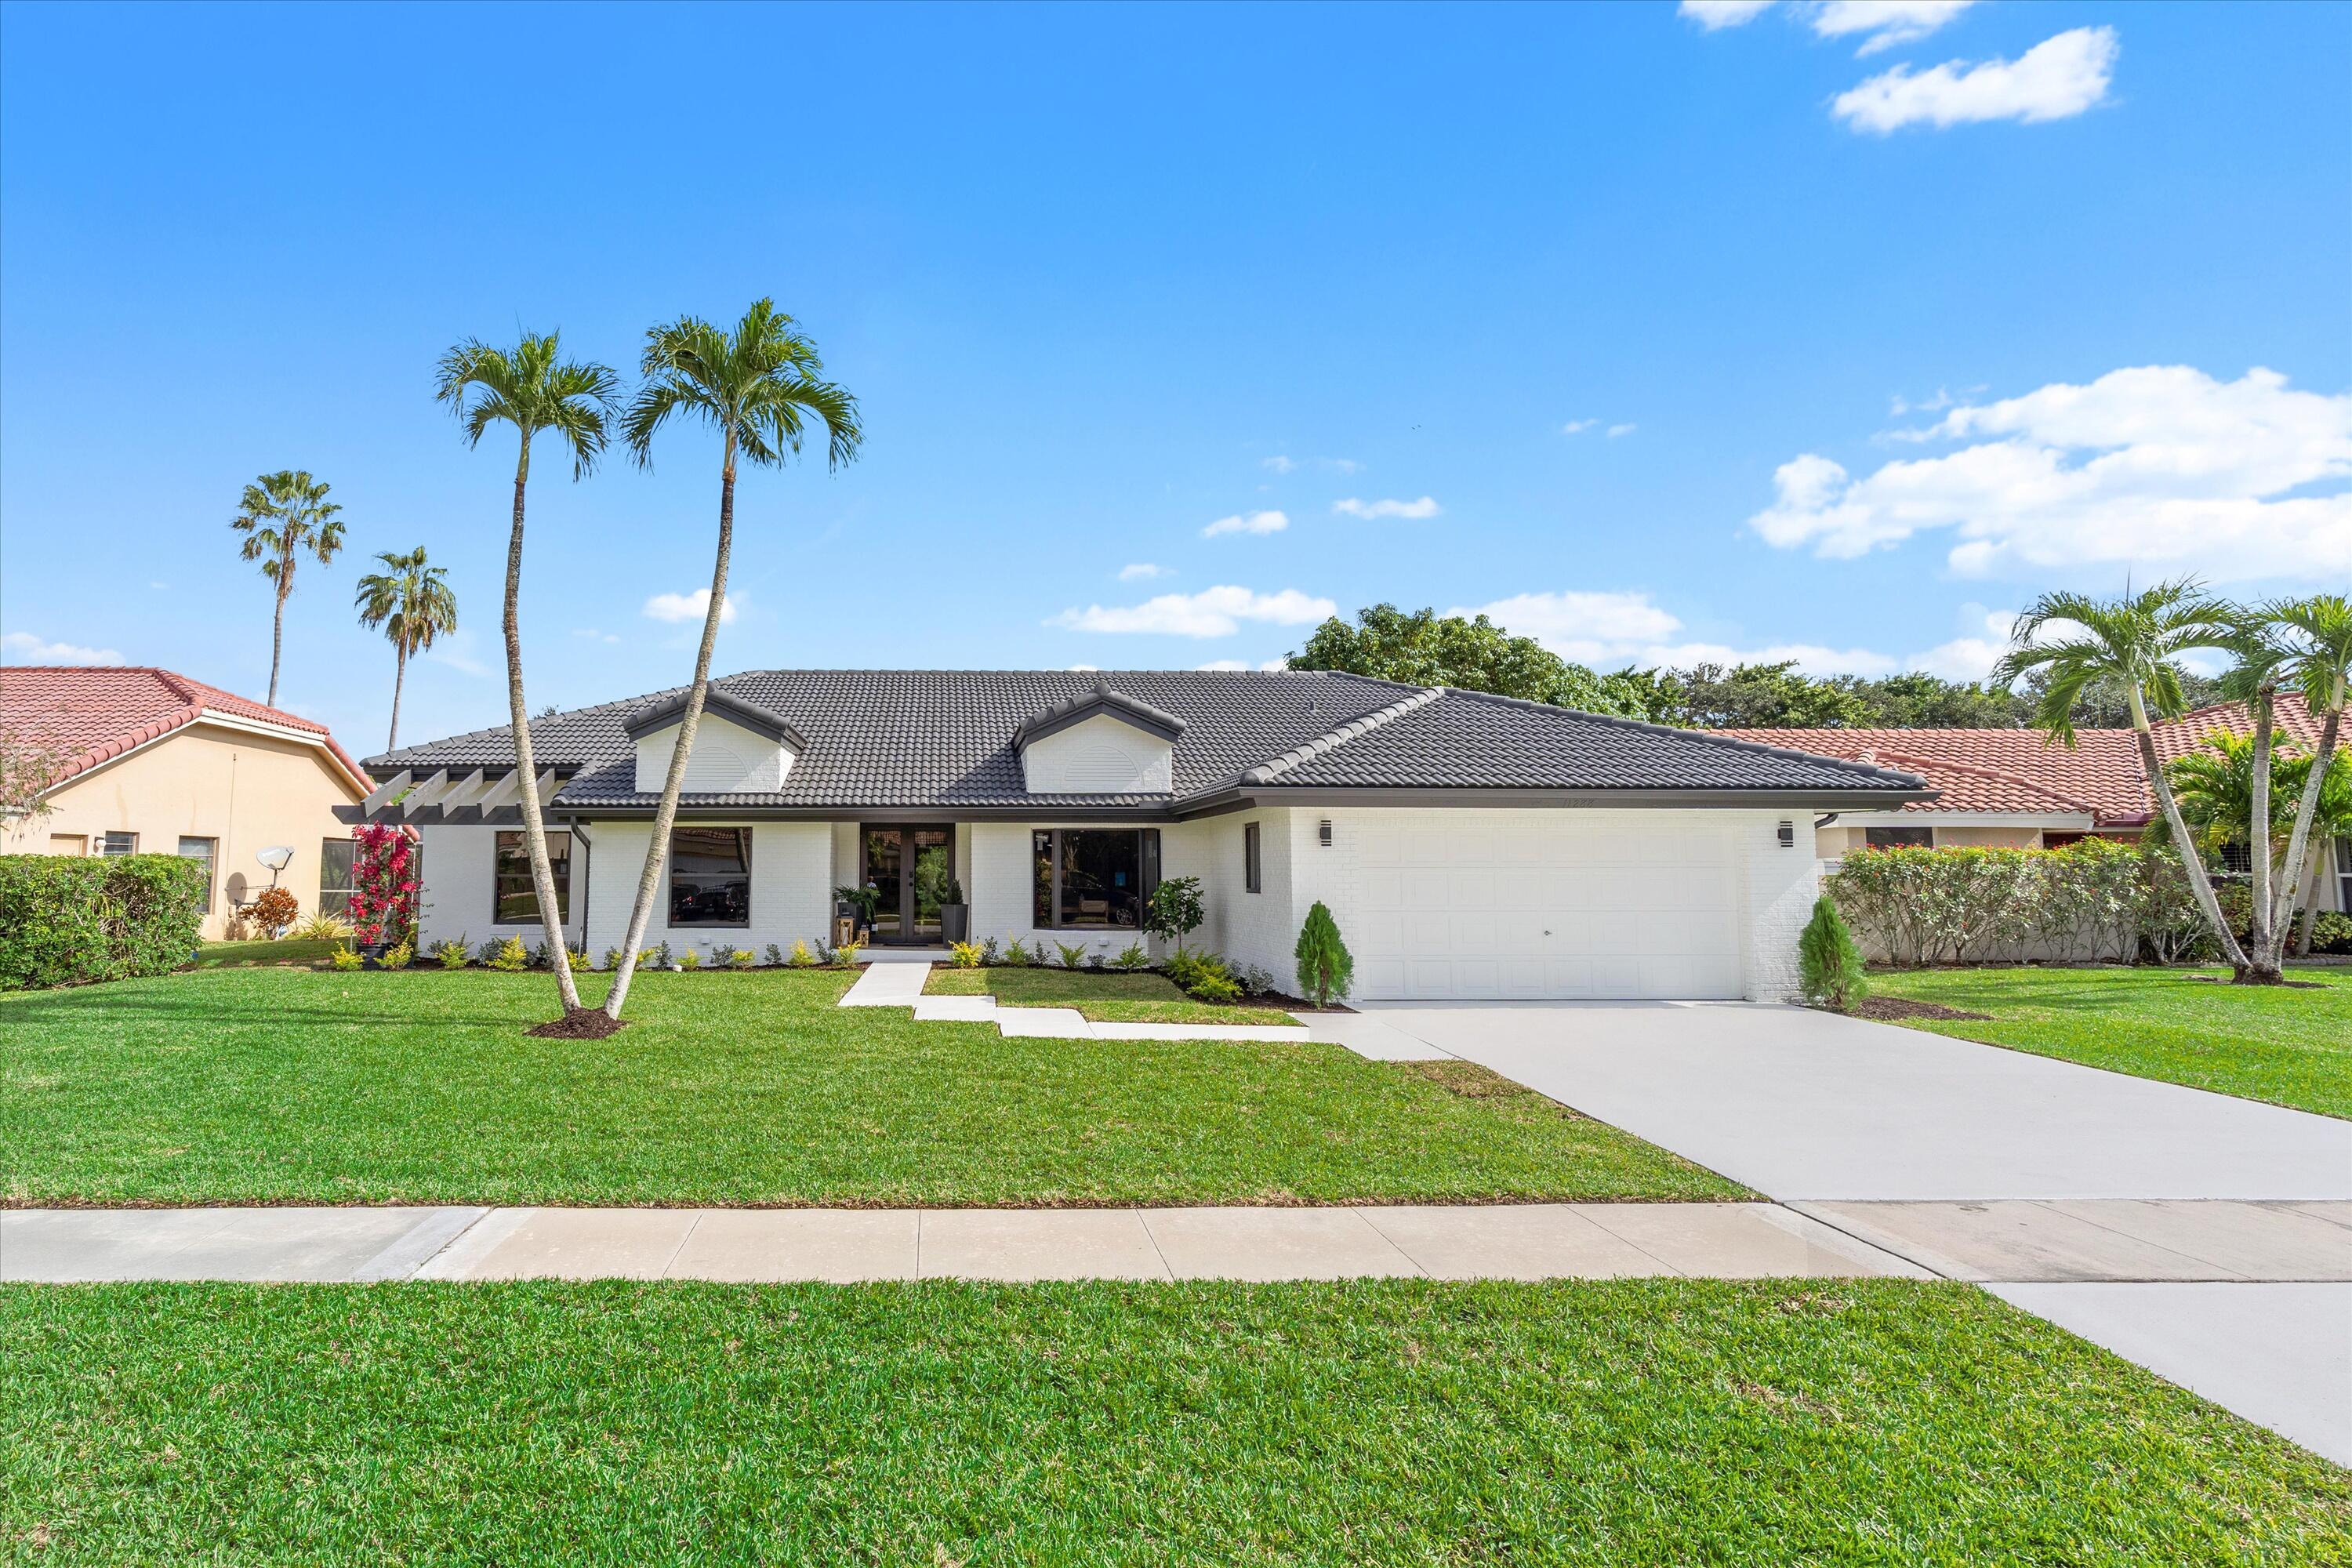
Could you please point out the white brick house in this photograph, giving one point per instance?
(1469, 846)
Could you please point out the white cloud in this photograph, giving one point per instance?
(1578, 427)
(459, 651)
(1425, 507)
(1141, 571)
(1717, 15)
(1251, 523)
(1211, 613)
(2057, 78)
(1617, 430)
(1263, 664)
(1341, 465)
(24, 647)
(1597, 623)
(594, 634)
(691, 606)
(1279, 464)
(1884, 23)
(2160, 467)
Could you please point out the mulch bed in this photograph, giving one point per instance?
(580, 1023)
(1889, 1009)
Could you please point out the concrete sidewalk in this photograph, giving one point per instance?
(898, 982)
(1503, 1241)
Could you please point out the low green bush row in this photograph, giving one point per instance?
(69, 919)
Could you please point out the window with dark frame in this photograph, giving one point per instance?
(201, 850)
(336, 857)
(516, 901)
(1092, 878)
(710, 877)
(118, 844)
(1899, 838)
(1251, 864)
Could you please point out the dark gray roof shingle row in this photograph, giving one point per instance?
(947, 738)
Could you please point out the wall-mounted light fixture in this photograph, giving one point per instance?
(1323, 833)
(1787, 836)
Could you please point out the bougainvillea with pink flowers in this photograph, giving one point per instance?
(383, 883)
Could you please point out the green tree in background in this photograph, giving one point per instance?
(413, 604)
(283, 516)
(1424, 648)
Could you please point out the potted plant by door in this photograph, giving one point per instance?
(955, 915)
(860, 904)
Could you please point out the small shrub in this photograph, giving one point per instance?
(346, 958)
(272, 911)
(988, 951)
(540, 957)
(1829, 963)
(653, 957)
(508, 957)
(399, 955)
(1074, 953)
(846, 955)
(1255, 979)
(1016, 953)
(578, 958)
(451, 953)
(612, 958)
(1216, 988)
(1132, 956)
(323, 927)
(1184, 969)
(1326, 970)
(662, 956)
(776, 955)
(691, 958)
(967, 954)
(801, 957)
(740, 958)
(2331, 933)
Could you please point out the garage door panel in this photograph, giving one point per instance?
(1557, 908)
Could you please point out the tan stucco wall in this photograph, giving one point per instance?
(1835, 841)
(247, 791)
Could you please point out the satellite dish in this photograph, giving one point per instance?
(278, 856)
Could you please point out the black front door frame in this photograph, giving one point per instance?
(906, 832)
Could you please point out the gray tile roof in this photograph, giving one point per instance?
(946, 738)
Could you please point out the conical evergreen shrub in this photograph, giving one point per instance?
(1326, 971)
(1829, 963)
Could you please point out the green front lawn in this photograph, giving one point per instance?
(1135, 996)
(293, 950)
(2285, 1045)
(274, 1085)
(1397, 1422)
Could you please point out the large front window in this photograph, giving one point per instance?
(710, 877)
(1089, 878)
(517, 900)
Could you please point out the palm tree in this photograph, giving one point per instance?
(413, 604)
(281, 515)
(761, 387)
(2253, 680)
(2128, 645)
(533, 388)
(2318, 636)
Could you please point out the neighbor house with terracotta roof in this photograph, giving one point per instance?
(2018, 788)
(144, 761)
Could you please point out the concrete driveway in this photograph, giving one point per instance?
(2035, 1177)
(1804, 1105)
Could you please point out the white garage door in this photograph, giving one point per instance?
(1537, 904)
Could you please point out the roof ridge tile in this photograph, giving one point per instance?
(1331, 739)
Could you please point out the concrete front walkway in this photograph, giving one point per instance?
(1520, 1241)
(897, 981)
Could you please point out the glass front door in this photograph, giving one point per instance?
(910, 869)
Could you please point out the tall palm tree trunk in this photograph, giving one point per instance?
(399, 677)
(2298, 845)
(542, 876)
(665, 814)
(2258, 844)
(2191, 864)
(277, 626)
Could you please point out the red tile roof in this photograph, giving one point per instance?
(96, 714)
(2019, 771)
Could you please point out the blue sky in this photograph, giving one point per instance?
(1668, 333)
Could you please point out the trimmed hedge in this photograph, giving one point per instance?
(69, 919)
(2097, 899)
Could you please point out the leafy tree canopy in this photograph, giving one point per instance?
(1426, 648)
